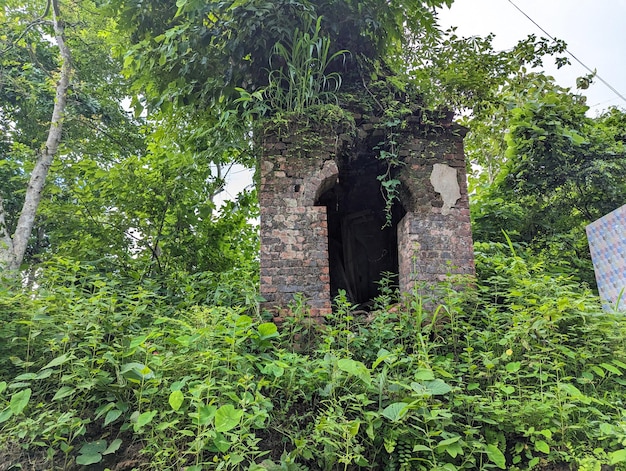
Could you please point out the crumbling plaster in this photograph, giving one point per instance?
(444, 180)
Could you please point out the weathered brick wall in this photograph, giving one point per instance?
(434, 241)
(434, 236)
(294, 235)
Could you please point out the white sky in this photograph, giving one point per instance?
(594, 30)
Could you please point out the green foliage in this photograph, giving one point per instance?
(522, 370)
(197, 52)
(469, 74)
(388, 153)
(562, 170)
(136, 332)
(96, 129)
(303, 80)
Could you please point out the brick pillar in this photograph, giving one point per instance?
(432, 248)
(435, 236)
(294, 232)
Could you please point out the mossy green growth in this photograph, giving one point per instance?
(307, 132)
(316, 118)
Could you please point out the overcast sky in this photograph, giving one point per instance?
(594, 30)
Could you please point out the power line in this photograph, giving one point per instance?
(568, 51)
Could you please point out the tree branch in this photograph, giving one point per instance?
(32, 24)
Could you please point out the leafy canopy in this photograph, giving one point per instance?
(198, 51)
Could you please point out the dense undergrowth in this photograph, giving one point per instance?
(521, 370)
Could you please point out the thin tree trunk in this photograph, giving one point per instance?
(34, 191)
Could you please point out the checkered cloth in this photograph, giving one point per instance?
(607, 243)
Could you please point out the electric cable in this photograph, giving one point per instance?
(568, 51)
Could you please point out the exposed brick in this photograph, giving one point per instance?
(294, 232)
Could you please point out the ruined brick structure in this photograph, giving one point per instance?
(322, 210)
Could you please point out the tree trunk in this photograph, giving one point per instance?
(18, 243)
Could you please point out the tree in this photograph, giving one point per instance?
(14, 246)
(540, 168)
(97, 131)
(199, 52)
(562, 171)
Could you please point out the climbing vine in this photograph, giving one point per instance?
(388, 153)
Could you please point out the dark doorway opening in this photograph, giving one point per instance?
(361, 251)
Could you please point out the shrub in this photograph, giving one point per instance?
(523, 371)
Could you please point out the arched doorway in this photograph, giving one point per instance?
(361, 248)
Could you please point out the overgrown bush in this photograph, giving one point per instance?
(522, 371)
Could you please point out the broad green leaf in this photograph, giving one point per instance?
(496, 456)
(113, 447)
(137, 341)
(227, 418)
(574, 392)
(437, 387)
(176, 399)
(267, 330)
(43, 374)
(454, 449)
(599, 371)
(87, 459)
(383, 355)
(424, 375)
(112, 416)
(243, 321)
(570, 389)
(353, 428)
(91, 453)
(58, 361)
(449, 441)
(542, 446)
(274, 369)
(513, 366)
(144, 419)
(221, 443)
(355, 368)
(97, 446)
(26, 377)
(618, 456)
(3, 386)
(65, 391)
(548, 433)
(206, 414)
(611, 368)
(395, 411)
(5, 415)
(421, 448)
(136, 372)
(606, 429)
(19, 401)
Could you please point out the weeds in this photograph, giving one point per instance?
(522, 371)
